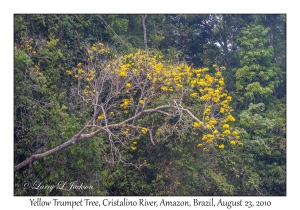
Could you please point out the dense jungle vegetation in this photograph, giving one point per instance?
(176, 104)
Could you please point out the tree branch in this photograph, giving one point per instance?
(80, 136)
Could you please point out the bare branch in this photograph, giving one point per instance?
(151, 138)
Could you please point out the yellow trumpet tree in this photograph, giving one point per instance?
(123, 89)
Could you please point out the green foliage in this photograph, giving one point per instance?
(257, 76)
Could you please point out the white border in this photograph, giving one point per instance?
(153, 6)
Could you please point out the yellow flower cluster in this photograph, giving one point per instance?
(232, 142)
(197, 124)
(193, 95)
(213, 122)
(126, 131)
(164, 88)
(28, 46)
(80, 71)
(158, 77)
(208, 138)
(207, 110)
(168, 77)
(226, 132)
(133, 146)
(126, 102)
(100, 117)
(231, 118)
(98, 48)
(123, 73)
(221, 146)
(225, 126)
(208, 126)
(217, 110)
(144, 130)
(235, 133)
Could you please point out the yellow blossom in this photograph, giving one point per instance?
(226, 132)
(225, 126)
(213, 122)
(133, 148)
(126, 131)
(142, 101)
(80, 71)
(205, 97)
(144, 130)
(235, 133)
(231, 118)
(208, 126)
(128, 85)
(112, 113)
(197, 124)
(221, 146)
(193, 95)
(100, 117)
(233, 142)
(123, 74)
(179, 85)
(164, 88)
(199, 145)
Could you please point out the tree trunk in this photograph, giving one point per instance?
(145, 31)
